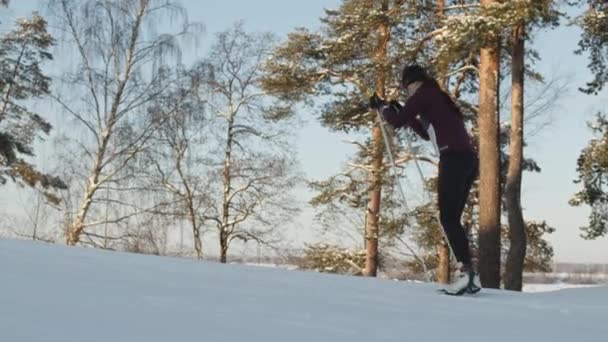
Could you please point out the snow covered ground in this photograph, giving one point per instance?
(553, 287)
(55, 293)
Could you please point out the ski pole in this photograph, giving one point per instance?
(428, 195)
(399, 186)
(391, 158)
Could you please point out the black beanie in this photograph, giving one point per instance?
(413, 73)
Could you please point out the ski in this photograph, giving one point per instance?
(466, 291)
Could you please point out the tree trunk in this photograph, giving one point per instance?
(440, 9)
(223, 247)
(189, 198)
(489, 152)
(196, 230)
(371, 246)
(443, 269)
(372, 224)
(227, 175)
(514, 267)
(77, 227)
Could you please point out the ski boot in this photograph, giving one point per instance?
(467, 282)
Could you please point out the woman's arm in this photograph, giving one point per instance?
(399, 116)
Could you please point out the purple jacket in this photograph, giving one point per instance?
(434, 107)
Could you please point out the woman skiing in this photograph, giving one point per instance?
(457, 161)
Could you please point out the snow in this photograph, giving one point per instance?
(552, 287)
(56, 293)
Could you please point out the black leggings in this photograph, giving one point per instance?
(457, 172)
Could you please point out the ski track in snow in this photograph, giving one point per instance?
(55, 293)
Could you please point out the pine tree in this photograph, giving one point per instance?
(481, 26)
(443, 269)
(592, 164)
(545, 15)
(360, 49)
(592, 169)
(340, 64)
(517, 251)
(594, 41)
(489, 155)
(22, 53)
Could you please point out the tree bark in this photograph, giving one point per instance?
(227, 175)
(77, 227)
(180, 150)
(372, 223)
(196, 229)
(489, 152)
(223, 247)
(514, 267)
(443, 269)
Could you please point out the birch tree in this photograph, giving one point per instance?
(121, 65)
(252, 165)
(174, 163)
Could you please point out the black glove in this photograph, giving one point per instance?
(425, 123)
(395, 104)
(375, 102)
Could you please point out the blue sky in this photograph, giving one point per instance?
(556, 147)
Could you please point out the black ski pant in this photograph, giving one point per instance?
(457, 172)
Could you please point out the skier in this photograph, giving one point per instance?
(458, 161)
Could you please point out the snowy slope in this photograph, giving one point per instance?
(55, 293)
